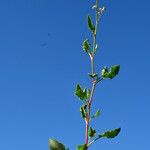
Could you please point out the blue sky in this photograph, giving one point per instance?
(41, 61)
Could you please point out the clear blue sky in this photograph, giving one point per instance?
(41, 61)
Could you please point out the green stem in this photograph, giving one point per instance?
(99, 79)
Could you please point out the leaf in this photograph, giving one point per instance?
(83, 111)
(104, 72)
(96, 114)
(92, 132)
(79, 93)
(111, 134)
(91, 25)
(82, 94)
(55, 145)
(86, 45)
(112, 73)
(82, 147)
(84, 90)
(88, 93)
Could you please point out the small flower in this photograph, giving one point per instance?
(101, 10)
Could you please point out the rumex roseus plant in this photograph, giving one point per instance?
(85, 95)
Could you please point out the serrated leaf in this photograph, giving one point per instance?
(92, 132)
(82, 147)
(111, 134)
(86, 45)
(55, 145)
(81, 94)
(83, 111)
(91, 25)
(112, 73)
(96, 114)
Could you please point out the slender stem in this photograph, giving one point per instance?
(96, 27)
(88, 114)
(99, 79)
(92, 64)
(94, 141)
(93, 80)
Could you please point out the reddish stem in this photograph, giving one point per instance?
(88, 114)
(93, 80)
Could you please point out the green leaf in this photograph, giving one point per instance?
(92, 132)
(96, 114)
(112, 73)
(82, 94)
(88, 93)
(79, 93)
(55, 145)
(83, 111)
(111, 134)
(82, 147)
(84, 90)
(91, 25)
(86, 45)
(104, 72)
